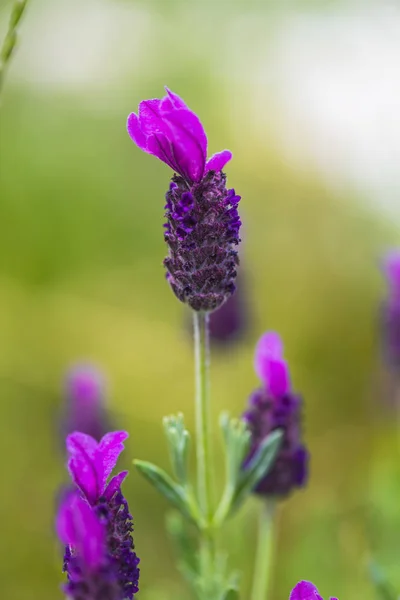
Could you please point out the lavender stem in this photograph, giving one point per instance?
(8, 46)
(203, 436)
(264, 557)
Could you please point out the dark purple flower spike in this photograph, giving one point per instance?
(275, 406)
(85, 408)
(94, 523)
(305, 590)
(202, 228)
(391, 310)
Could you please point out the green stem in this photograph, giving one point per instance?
(10, 40)
(203, 441)
(264, 558)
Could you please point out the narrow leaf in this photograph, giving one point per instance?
(259, 466)
(173, 492)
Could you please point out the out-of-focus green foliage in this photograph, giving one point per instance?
(81, 248)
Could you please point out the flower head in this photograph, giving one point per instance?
(390, 315)
(305, 590)
(203, 223)
(169, 130)
(85, 408)
(275, 406)
(94, 523)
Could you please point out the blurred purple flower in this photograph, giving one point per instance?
(94, 522)
(85, 408)
(203, 223)
(228, 322)
(391, 309)
(275, 406)
(305, 590)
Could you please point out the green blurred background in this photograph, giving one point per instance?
(81, 279)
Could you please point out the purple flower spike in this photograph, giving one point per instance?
(390, 315)
(305, 590)
(85, 408)
(275, 406)
(94, 523)
(202, 228)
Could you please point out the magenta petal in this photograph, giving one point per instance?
(135, 132)
(81, 465)
(64, 522)
(108, 451)
(270, 344)
(276, 378)
(391, 267)
(150, 118)
(218, 160)
(304, 590)
(176, 101)
(189, 143)
(160, 147)
(114, 485)
(268, 348)
(78, 526)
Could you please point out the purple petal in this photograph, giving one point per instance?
(176, 100)
(270, 366)
(114, 485)
(150, 118)
(218, 160)
(305, 590)
(189, 143)
(81, 465)
(158, 145)
(135, 132)
(107, 453)
(276, 377)
(391, 268)
(78, 526)
(270, 344)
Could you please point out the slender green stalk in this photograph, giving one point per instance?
(203, 439)
(264, 558)
(10, 40)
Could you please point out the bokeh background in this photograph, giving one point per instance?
(306, 95)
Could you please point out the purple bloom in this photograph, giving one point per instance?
(203, 222)
(305, 590)
(391, 309)
(94, 522)
(85, 409)
(228, 322)
(275, 406)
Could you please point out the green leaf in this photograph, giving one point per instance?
(382, 585)
(258, 467)
(236, 443)
(185, 545)
(178, 439)
(173, 492)
(231, 595)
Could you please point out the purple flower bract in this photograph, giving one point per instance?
(94, 523)
(390, 314)
(275, 406)
(85, 408)
(202, 228)
(305, 590)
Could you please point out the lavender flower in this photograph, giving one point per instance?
(202, 228)
(85, 409)
(391, 309)
(228, 322)
(94, 523)
(305, 590)
(275, 406)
